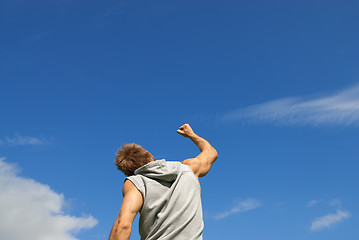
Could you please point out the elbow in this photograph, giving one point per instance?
(124, 227)
(215, 154)
(120, 231)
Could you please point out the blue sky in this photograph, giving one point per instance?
(274, 86)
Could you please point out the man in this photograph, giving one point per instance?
(166, 194)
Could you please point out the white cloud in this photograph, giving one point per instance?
(328, 220)
(18, 140)
(341, 108)
(33, 211)
(313, 203)
(241, 206)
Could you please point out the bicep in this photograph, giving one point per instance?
(131, 203)
(199, 165)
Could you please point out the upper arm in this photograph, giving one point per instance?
(201, 164)
(131, 204)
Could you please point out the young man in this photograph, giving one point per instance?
(166, 194)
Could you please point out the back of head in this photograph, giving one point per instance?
(130, 157)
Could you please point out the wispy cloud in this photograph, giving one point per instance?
(335, 203)
(313, 203)
(38, 36)
(18, 140)
(341, 108)
(32, 210)
(240, 206)
(329, 220)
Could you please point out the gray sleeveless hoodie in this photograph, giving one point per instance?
(172, 208)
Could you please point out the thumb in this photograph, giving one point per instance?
(180, 132)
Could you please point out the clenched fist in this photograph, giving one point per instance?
(186, 130)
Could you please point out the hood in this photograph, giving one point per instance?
(160, 170)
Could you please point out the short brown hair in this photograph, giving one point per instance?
(130, 157)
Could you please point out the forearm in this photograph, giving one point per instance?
(202, 144)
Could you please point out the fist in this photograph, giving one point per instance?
(185, 130)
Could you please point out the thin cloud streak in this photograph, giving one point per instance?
(335, 203)
(313, 203)
(328, 220)
(38, 36)
(241, 206)
(341, 108)
(18, 140)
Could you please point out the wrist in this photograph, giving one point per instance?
(192, 136)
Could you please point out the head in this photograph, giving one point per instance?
(132, 156)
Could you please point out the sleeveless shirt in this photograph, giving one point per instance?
(172, 208)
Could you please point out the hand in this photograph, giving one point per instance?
(186, 130)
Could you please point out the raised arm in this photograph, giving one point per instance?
(131, 204)
(203, 162)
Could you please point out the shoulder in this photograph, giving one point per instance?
(128, 186)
